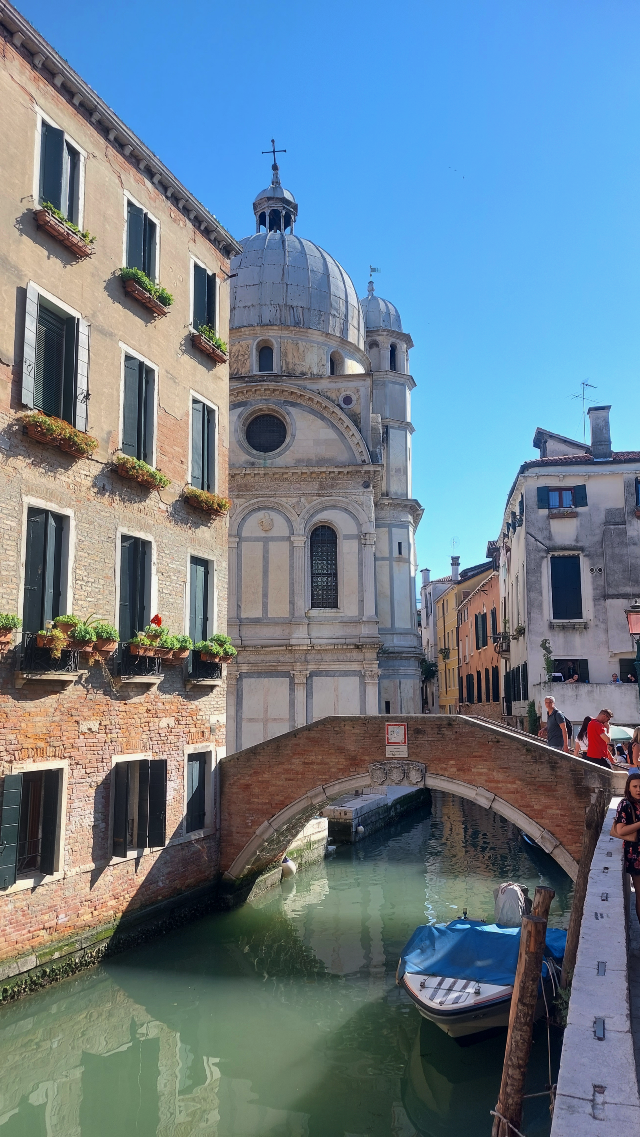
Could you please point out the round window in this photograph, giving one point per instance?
(347, 400)
(266, 433)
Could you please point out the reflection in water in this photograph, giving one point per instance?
(281, 1018)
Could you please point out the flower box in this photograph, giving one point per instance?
(55, 432)
(207, 658)
(6, 636)
(202, 343)
(106, 646)
(47, 641)
(208, 502)
(134, 289)
(142, 649)
(137, 471)
(63, 233)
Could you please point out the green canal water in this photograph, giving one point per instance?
(282, 1018)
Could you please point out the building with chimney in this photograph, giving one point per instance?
(322, 604)
(569, 569)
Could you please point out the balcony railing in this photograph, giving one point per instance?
(199, 669)
(125, 665)
(34, 659)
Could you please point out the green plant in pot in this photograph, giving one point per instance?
(106, 636)
(82, 636)
(53, 638)
(8, 625)
(217, 647)
(142, 645)
(66, 623)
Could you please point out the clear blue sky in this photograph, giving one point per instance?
(483, 153)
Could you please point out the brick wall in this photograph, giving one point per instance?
(551, 788)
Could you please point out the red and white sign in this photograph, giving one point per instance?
(396, 739)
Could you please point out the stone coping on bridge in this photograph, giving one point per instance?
(597, 1084)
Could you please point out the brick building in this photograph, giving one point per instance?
(479, 643)
(107, 772)
(447, 631)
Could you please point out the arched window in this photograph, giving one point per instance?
(265, 358)
(324, 567)
(393, 358)
(275, 221)
(262, 220)
(287, 223)
(336, 363)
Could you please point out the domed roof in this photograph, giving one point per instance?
(277, 191)
(283, 279)
(380, 314)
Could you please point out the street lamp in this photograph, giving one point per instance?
(633, 619)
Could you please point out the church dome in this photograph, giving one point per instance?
(379, 314)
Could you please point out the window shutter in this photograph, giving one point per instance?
(507, 690)
(148, 416)
(477, 631)
(196, 765)
(478, 686)
(52, 567)
(70, 370)
(199, 599)
(130, 407)
(199, 296)
(211, 299)
(579, 496)
(120, 808)
(51, 158)
(82, 375)
(9, 822)
(209, 455)
(142, 570)
(525, 681)
(49, 370)
(34, 570)
(197, 416)
(149, 239)
(71, 196)
(143, 804)
(566, 588)
(483, 628)
(157, 801)
(487, 686)
(29, 346)
(135, 236)
(126, 611)
(543, 497)
(50, 810)
(495, 684)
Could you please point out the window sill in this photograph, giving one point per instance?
(30, 882)
(194, 835)
(202, 684)
(561, 513)
(62, 233)
(67, 677)
(145, 298)
(135, 855)
(570, 625)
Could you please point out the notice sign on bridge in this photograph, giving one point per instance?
(396, 739)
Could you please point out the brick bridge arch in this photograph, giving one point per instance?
(271, 790)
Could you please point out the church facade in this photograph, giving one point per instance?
(322, 565)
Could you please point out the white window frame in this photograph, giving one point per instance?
(134, 201)
(211, 796)
(38, 878)
(42, 116)
(212, 272)
(127, 531)
(214, 407)
(126, 350)
(68, 550)
(212, 612)
(585, 595)
(132, 854)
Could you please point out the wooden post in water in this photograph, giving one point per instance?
(542, 901)
(523, 1006)
(593, 822)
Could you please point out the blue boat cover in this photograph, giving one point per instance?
(469, 949)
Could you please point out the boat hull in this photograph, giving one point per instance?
(471, 1015)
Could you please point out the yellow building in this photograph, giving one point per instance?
(462, 585)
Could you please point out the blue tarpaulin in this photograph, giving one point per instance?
(468, 949)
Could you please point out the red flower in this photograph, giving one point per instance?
(157, 620)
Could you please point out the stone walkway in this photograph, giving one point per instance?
(634, 977)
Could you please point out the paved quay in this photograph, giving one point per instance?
(634, 979)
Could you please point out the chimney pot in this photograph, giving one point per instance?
(455, 568)
(426, 576)
(600, 431)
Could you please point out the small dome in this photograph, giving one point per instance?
(273, 192)
(286, 280)
(379, 314)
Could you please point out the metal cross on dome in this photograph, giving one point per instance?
(273, 151)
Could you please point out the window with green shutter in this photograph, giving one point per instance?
(43, 568)
(135, 585)
(196, 770)
(142, 234)
(139, 805)
(478, 686)
(495, 684)
(199, 600)
(60, 164)
(203, 446)
(204, 297)
(566, 588)
(30, 824)
(138, 416)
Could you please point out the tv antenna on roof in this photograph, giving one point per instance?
(583, 395)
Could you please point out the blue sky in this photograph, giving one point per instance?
(483, 153)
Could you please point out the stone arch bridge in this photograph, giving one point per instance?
(271, 790)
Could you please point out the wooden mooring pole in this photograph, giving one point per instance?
(523, 1006)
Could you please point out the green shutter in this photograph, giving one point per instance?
(478, 686)
(196, 764)
(149, 249)
(49, 368)
(82, 375)
(135, 236)
(70, 370)
(477, 631)
(199, 599)
(51, 159)
(29, 346)
(495, 684)
(52, 567)
(143, 804)
(50, 812)
(71, 195)
(199, 296)
(483, 629)
(566, 588)
(157, 801)
(130, 406)
(126, 622)
(9, 822)
(32, 620)
(147, 407)
(197, 432)
(525, 680)
(120, 783)
(211, 299)
(209, 449)
(580, 496)
(543, 497)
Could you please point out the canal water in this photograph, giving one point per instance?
(282, 1018)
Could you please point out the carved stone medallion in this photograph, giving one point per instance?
(397, 773)
(266, 522)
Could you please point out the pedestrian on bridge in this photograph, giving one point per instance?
(598, 740)
(556, 728)
(627, 827)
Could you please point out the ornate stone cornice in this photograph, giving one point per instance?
(277, 392)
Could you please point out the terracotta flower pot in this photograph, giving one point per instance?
(181, 653)
(47, 641)
(207, 658)
(85, 648)
(65, 628)
(141, 649)
(6, 635)
(107, 646)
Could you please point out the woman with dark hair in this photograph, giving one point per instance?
(627, 827)
(580, 748)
